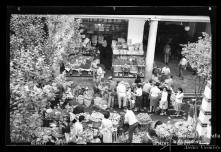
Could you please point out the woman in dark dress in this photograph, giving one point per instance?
(106, 54)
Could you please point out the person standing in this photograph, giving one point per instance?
(182, 67)
(121, 93)
(178, 100)
(111, 93)
(106, 128)
(130, 119)
(138, 79)
(100, 73)
(163, 102)
(146, 91)
(167, 53)
(166, 71)
(77, 128)
(138, 94)
(154, 97)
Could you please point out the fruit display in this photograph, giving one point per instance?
(88, 134)
(79, 62)
(143, 117)
(164, 131)
(115, 118)
(129, 60)
(183, 129)
(86, 116)
(96, 116)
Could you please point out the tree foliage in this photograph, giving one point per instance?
(32, 82)
(199, 54)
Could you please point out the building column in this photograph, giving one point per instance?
(150, 49)
(205, 112)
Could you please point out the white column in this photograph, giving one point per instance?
(151, 49)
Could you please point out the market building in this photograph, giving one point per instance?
(142, 36)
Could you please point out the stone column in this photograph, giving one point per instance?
(205, 111)
(150, 49)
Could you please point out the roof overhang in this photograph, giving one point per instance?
(171, 18)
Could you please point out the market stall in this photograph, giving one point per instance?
(128, 59)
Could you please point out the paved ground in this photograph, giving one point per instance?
(188, 84)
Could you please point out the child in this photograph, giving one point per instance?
(163, 101)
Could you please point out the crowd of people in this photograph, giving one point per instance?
(146, 96)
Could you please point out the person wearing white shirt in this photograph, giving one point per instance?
(100, 73)
(77, 129)
(182, 66)
(166, 70)
(179, 100)
(121, 94)
(106, 128)
(163, 102)
(138, 94)
(131, 119)
(154, 97)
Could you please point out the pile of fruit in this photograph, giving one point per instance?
(96, 116)
(164, 131)
(183, 129)
(115, 118)
(88, 134)
(143, 117)
(86, 116)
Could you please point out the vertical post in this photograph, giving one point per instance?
(150, 49)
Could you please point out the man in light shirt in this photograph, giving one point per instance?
(154, 97)
(131, 119)
(182, 66)
(121, 94)
(166, 70)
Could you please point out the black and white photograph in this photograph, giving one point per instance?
(110, 78)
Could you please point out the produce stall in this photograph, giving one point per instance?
(79, 64)
(128, 59)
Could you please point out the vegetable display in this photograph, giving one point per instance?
(96, 116)
(143, 117)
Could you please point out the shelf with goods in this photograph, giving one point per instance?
(127, 64)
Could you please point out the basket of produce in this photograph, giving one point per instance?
(143, 118)
(96, 116)
(115, 118)
(80, 99)
(86, 116)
